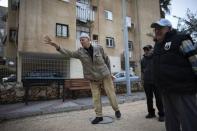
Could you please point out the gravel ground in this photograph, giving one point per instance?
(133, 119)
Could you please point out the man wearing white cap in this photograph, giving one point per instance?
(96, 68)
(175, 74)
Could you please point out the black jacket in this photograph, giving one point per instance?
(147, 68)
(172, 70)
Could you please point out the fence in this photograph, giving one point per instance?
(7, 68)
(38, 65)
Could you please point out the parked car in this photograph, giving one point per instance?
(10, 78)
(120, 77)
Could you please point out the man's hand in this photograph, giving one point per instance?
(47, 40)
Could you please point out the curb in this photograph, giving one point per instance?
(12, 116)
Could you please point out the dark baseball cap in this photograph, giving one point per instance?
(148, 47)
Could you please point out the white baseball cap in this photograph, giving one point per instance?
(84, 35)
(161, 23)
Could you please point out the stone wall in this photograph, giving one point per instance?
(12, 92)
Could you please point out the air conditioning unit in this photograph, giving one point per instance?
(130, 54)
(108, 15)
(129, 22)
(65, 0)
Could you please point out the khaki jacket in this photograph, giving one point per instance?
(92, 70)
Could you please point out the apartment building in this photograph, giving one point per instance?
(3, 14)
(65, 20)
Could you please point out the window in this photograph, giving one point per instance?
(14, 4)
(130, 45)
(95, 39)
(13, 35)
(62, 30)
(108, 15)
(110, 42)
(94, 8)
(1, 51)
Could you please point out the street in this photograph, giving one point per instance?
(133, 119)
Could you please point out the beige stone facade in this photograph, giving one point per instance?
(35, 18)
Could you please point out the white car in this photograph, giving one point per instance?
(120, 77)
(10, 78)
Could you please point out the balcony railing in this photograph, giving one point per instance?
(84, 13)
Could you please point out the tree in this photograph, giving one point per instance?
(164, 7)
(189, 24)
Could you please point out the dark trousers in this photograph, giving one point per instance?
(180, 112)
(151, 89)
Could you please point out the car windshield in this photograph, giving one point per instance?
(118, 75)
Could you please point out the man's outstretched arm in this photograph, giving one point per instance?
(67, 53)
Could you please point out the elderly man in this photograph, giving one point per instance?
(175, 73)
(96, 68)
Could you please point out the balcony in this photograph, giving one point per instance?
(84, 13)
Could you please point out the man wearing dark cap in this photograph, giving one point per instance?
(175, 73)
(149, 87)
(96, 68)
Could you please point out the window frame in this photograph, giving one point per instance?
(110, 43)
(95, 37)
(62, 33)
(130, 45)
(14, 5)
(108, 15)
(13, 35)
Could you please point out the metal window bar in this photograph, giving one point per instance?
(84, 14)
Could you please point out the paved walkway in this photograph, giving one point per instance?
(133, 119)
(20, 110)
